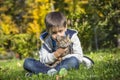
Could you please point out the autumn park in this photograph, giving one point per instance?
(97, 23)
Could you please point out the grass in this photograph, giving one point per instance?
(106, 67)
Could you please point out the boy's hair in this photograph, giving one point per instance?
(55, 19)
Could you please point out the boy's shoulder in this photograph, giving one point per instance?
(43, 36)
(71, 32)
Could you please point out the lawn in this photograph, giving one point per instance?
(106, 67)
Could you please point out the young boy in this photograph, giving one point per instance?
(56, 25)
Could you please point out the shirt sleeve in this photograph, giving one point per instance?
(77, 49)
(45, 55)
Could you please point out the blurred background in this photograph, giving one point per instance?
(22, 21)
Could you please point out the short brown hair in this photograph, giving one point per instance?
(55, 19)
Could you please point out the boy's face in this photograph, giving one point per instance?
(58, 31)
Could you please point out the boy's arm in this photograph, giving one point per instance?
(47, 57)
(77, 49)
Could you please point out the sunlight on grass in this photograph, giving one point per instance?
(106, 67)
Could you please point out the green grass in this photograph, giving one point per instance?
(106, 67)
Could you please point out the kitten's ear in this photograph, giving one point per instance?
(68, 36)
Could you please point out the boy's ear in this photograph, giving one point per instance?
(66, 28)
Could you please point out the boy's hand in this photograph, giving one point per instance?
(59, 59)
(59, 52)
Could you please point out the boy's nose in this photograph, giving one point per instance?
(58, 34)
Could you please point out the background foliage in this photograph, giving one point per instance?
(22, 21)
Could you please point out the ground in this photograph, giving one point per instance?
(106, 67)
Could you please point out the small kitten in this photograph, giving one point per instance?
(63, 42)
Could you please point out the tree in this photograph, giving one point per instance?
(20, 18)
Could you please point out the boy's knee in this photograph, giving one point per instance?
(74, 60)
(27, 62)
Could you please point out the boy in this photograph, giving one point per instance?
(56, 25)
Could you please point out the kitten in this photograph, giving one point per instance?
(63, 42)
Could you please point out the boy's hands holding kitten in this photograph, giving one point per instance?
(63, 43)
(59, 52)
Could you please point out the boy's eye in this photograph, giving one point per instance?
(60, 30)
(54, 32)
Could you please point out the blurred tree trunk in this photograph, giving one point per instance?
(118, 41)
(117, 26)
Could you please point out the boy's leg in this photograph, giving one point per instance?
(35, 66)
(68, 63)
